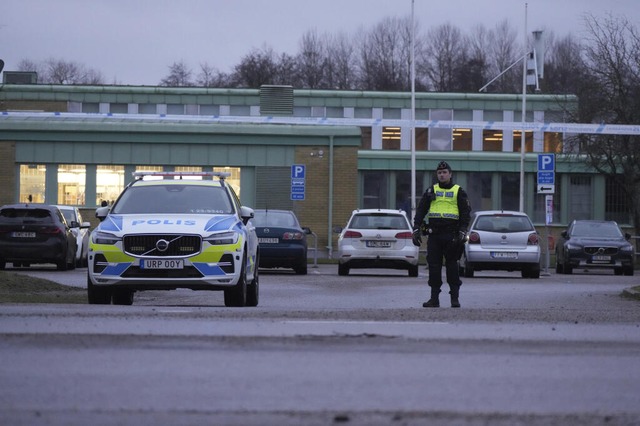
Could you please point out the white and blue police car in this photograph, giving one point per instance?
(170, 230)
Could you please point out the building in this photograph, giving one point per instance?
(79, 144)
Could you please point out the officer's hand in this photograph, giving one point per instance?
(416, 237)
(460, 237)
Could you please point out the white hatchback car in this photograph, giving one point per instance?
(80, 229)
(501, 240)
(377, 238)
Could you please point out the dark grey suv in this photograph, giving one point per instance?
(594, 244)
(36, 233)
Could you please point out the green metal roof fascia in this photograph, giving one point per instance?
(467, 161)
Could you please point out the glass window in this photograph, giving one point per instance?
(90, 107)
(175, 109)
(479, 191)
(422, 139)
(492, 140)
(234, 179)
(118, 108)
(71, 184)
(375, 189)
(366, 137)
(391, 137)
(510, 191)
(616, 205)
(580, 199)
(440, 139)
(109, 183)
(147, 109)
(553, 142)
(32, 182)
(150, 169)
(462, 139)
(209, 110)
(528, 141)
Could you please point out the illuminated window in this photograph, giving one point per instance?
(234, 179)
(462, 140)
(553, 142)
(71, 184)
(391, 137)
(109, 183)
(528, 141)
(32, 181)
(492, 140)
(150, 169)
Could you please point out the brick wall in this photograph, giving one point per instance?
(7, 172)
(313, 211)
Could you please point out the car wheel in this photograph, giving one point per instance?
(122, 297)
(301, 270)
(3, 264)
(617, 271)
(467, 270)
(237, 295)
(628, 271)
(97, 295)
(343, 269)
(534, 271)
(253, 289)
(62, 265)
(413, 270)
(558, 268)
(567, 268)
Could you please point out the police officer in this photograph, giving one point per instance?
(447, 209)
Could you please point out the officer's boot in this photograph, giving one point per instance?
(434, 302)
(455, 292)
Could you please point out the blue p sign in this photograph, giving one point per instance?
(546, 162)
(297, 171)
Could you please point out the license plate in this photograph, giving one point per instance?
(23, 234)
(268, 240)
(162, 264)
(600, 258)
(379, 244)
(504, 255)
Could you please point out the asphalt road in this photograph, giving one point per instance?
(324, 349)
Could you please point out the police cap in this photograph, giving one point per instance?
(443, 165)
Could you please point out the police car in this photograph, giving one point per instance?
(170, 230)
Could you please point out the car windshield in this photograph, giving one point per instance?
(12, 215)
(503, 223)
(378, 221)
(274, 218)
(174, 199)
(69, 215)
(596, 229)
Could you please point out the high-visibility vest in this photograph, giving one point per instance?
(445, 203)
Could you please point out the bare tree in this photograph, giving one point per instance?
(179, 75)
(610, 93)
(504, 51)
(60, 71)
(384, 55)
(341, 65)
(312, 60)
(564, 66)
(256, 68)
(442, 57)
(209, 76)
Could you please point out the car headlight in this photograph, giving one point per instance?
(104, 238)
(223, 238)
(574, 247)
(627, 249)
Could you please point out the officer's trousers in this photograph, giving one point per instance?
(441, 246)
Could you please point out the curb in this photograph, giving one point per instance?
(631, 293)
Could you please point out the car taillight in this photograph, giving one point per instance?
(292, 236)
(533, 240)
(474, 238)
(50, 230)
(352, 234)
(404, 235)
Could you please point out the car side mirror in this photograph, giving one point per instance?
(564, 234)
(307, 230)
(102, 212)
(627, 235)
(246, 213)
(74, 224)
(85, 225)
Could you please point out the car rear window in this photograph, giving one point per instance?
(378, 221)
(271, 218)
(12, 215)
(503, 223)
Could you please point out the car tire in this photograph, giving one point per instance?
(3, 264)
(237, 295)
(413, 271)
(343, 269)
(559, 268)
(253, 290)
(122, 297)
(617, 271)
(567, 268)
(628, 271)
(97, 295)
(301, 270)
(533, 271)
(62, 265)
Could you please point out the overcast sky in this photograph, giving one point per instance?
(135, 41)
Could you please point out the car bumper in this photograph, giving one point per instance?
(501, 259)
(282, 256)
(396, 259)
(588, 262)
(51, 251)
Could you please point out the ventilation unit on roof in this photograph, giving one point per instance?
(20, 77)
(276, 100)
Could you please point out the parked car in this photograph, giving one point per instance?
(377, 238)
(81, 231)
(501, 240)
(165, 234)
(282, 241)
(594, 244)
(35, 233)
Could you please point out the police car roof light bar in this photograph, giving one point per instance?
(219, 175)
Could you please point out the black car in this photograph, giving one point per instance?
(36, 233)
(594, 244)
(282, 241)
